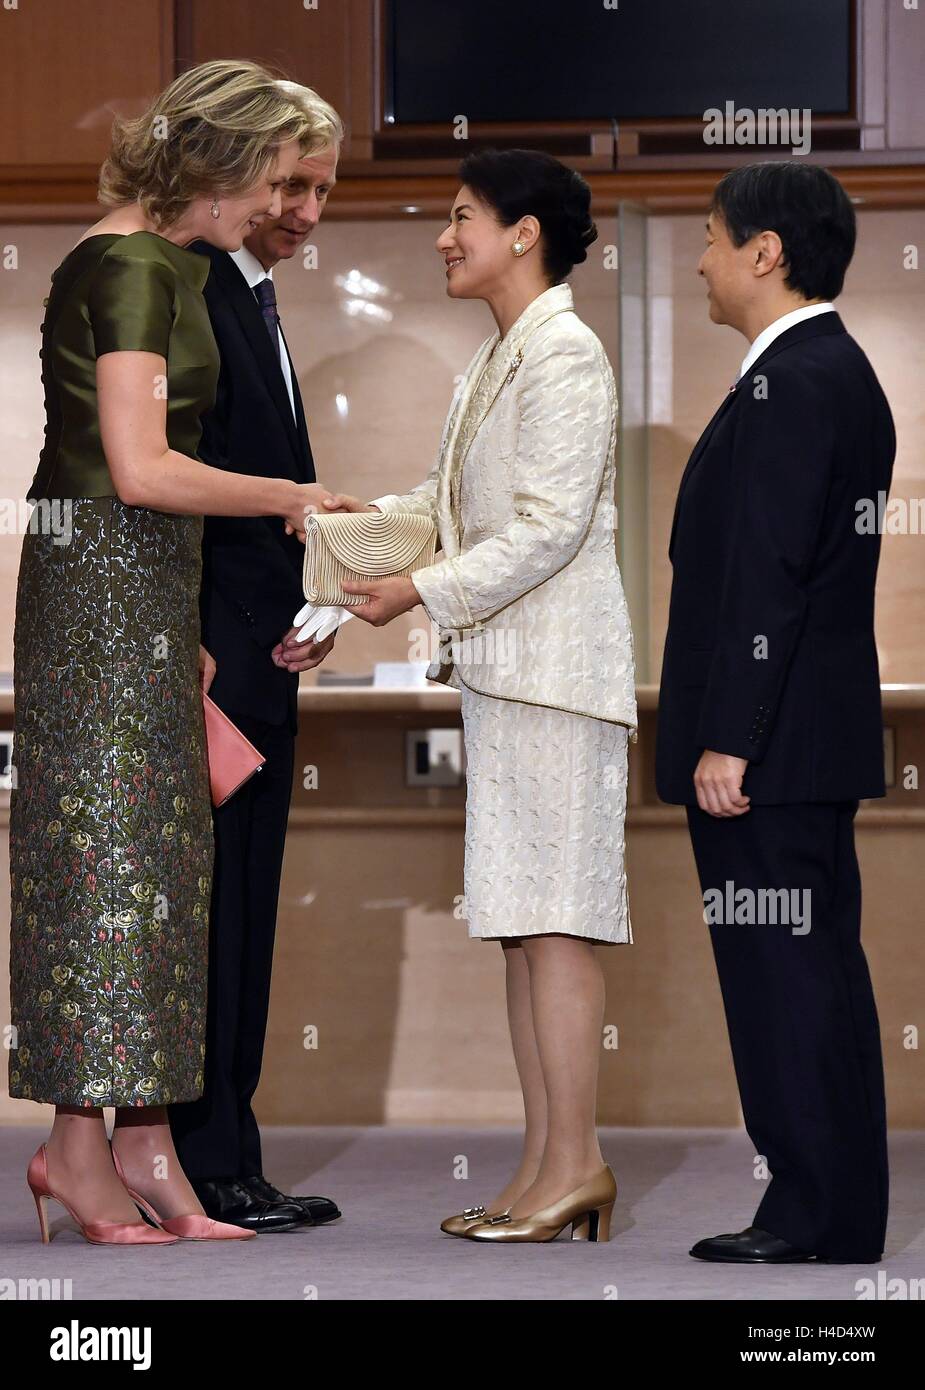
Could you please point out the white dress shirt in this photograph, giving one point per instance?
(766, 336)
(253, 273)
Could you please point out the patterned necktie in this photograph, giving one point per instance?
(266, 297)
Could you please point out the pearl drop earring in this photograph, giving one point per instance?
(215, 209)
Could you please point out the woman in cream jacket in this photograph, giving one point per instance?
(535, 635)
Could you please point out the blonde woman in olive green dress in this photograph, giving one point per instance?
(110, 822)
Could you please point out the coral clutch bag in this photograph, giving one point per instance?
(353, 546)
(233, 759)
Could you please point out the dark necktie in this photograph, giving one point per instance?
(266, 297)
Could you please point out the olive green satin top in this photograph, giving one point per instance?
(115, 293)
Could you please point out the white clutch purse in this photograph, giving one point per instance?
(355, 546)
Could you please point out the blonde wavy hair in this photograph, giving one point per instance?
(213, 131)
(329, 125)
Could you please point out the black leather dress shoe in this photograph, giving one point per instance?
(319, 1210)
(232, 1200)
(750, 1247)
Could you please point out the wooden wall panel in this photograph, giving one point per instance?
(905, 89)
(329, 48)
(69, 65)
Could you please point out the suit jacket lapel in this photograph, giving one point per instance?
(493, 367)
(696, 456)
(448, 543)
(509, 354)
(304, 459)
(242, 300)
(828, 322)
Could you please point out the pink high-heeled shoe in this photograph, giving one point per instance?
(96, 1232)
(192, 1227)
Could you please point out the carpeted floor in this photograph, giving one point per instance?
(395, 1186)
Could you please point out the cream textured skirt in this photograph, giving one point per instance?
(545, 811)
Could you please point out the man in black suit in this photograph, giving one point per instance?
(251, 591)
(769, 728)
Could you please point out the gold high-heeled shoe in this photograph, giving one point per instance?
(588, 1209)
(459, 1225)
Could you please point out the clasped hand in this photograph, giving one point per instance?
(386, 598)
(292, 655)
(313, 500)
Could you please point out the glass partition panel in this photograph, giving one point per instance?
(633, 444)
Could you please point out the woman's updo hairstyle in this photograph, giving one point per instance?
(518, 183)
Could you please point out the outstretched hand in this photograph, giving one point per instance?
(344, 502)
(310, 499)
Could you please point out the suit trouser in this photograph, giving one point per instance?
(802, 1019)
(217, 1136)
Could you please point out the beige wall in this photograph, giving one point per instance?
(410, 1013)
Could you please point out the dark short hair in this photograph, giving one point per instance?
(521, 183)
(807, 208)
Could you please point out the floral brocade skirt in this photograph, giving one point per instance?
(110, 816)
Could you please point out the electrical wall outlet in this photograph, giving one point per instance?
(6, 759)
(433, 758)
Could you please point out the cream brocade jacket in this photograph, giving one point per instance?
(528, 597)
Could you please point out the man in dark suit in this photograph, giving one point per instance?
(769, 728)
(251, 591)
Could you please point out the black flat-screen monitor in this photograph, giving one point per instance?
(547, 60)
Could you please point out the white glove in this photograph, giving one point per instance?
(318, 623)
